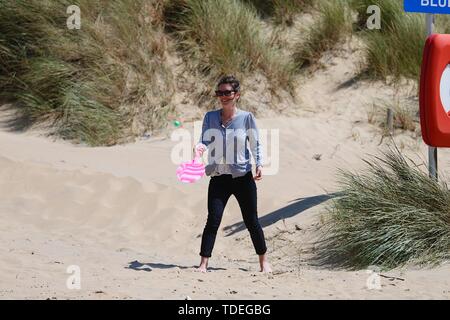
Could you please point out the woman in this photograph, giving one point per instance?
(225, 134)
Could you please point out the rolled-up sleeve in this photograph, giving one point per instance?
(253, 136)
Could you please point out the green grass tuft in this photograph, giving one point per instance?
(331, 27)
(394, 51)
(92, 83)
(282, 12)
(389, 215)
(225, 37)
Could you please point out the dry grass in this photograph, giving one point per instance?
(405, 115)
(225, 37)
(332, 26)
(96, 83)
(387, 54)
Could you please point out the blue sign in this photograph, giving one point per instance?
(428, 6)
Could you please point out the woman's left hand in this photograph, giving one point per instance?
(258, 174)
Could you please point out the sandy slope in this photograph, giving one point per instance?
(120, 214)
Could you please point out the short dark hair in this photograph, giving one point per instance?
(230, 80)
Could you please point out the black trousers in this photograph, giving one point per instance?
(219, 191)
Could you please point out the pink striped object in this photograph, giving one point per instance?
(191, 171)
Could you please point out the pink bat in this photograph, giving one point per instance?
(191, 171)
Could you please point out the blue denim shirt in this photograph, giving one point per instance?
(231, 144)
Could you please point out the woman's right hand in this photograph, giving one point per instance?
(199, 149)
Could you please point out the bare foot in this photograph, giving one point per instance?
(264, 264)
(202, 269)
(265, 268)
(203, 265)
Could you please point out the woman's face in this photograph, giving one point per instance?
(228, 101)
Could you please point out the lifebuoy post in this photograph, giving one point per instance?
(434, 93)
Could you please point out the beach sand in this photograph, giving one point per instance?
(120, 214)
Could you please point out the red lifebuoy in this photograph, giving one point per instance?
(434, 94)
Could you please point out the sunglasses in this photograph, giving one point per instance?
(225, 93)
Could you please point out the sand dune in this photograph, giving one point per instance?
(120, 214)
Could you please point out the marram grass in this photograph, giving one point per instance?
(332, 26)
(389, 215)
